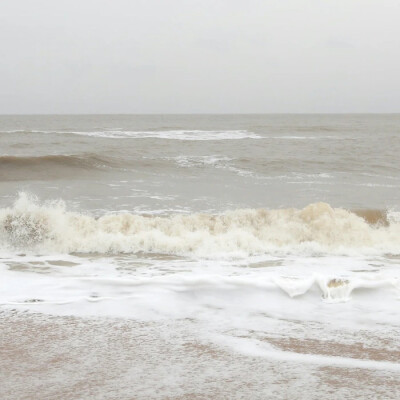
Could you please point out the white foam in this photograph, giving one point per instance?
(200, 161)
(213, 161)
(219, 293)
(254, 348)
(182, 134)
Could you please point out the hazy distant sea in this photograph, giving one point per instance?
(243, 229)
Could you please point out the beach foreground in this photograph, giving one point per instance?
(48, 357)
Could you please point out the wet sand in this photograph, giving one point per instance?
(47, 357)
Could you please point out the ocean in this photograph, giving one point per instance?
(271, 237)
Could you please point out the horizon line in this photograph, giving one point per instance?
(201, 113)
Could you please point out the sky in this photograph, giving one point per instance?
(187, 56)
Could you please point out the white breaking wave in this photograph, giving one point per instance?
(213, 161)
(200, 161)
(173, 134)
(316, 229)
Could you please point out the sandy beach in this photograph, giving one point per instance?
(47, 357)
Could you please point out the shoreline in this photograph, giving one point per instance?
(57, 357)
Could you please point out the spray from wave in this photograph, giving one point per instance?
(315, 229)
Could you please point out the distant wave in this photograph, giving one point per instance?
(25, 131)
(48, 166)
(174, 134)
(292, 137)
(170, 134)
(316, 229)
(180, 134)
(16, 168)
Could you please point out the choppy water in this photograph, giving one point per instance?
(236, 221)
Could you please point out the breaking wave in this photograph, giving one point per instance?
(315, 229)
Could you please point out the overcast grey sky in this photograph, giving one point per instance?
(187, 56)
